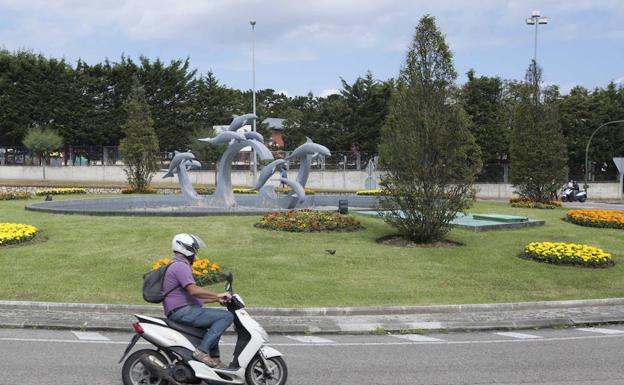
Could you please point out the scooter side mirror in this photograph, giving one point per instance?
(229, 278)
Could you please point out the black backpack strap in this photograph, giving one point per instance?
(177, 286)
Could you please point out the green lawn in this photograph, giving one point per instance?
(102, 259)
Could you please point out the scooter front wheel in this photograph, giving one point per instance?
(134, 372)
(274, 373)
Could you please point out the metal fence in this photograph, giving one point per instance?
(110, 156)
(338, 161)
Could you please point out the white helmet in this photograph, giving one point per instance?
(187, 244)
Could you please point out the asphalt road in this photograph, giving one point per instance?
(548, 357)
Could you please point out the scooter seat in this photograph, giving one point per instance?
(195, 332)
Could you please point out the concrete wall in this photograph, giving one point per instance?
(327, 180)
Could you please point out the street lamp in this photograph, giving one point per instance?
(536, 19)
(587, 147)
(253, 67)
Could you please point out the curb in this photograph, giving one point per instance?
(334, 320)
(326, 311)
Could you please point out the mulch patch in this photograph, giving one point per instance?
(397, 240)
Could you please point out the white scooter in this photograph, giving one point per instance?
(571, 195)
(252, 363)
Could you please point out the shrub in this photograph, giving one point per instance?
(560, 253)
(597, 218)
(12, 233)
(532, 204)
(308, 221)
(61, 191)
(370, 192)
(145, 190)
(205, 271)
(9, 196)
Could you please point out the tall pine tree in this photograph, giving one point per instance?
(427, 150)
(139, 147)
(538, 165)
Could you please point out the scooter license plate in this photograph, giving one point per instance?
(133, 341)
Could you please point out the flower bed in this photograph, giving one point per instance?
(531, 204)
(205, 190)
(13, 233)
(61, 191)
(597, 218)
(370, 192)
(243, 191)
(205, 272)
(9, 196)
(146, 190)
(287, 190)
(560, 253)
(308, 221)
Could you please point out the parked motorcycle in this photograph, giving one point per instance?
(571, 195)
(172, 362)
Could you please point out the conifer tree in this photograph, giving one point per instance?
(139, 147)
(429, 155)
(538, 164)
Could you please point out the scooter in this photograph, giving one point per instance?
(172, 362)
(571, 195)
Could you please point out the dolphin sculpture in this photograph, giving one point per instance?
(225, 137)
(267, 171)
(175, 162)
(254, 135)
(239, 121)
(309, 148)
(298, 193)
(191, 164)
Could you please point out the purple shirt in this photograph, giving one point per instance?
(178, 274)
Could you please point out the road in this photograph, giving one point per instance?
(549, 357)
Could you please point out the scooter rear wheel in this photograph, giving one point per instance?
(134, 372)
(258, 374)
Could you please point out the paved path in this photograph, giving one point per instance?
(335, 320)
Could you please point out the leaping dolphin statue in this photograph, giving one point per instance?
(309, 148)
(175, 162)
(224, 138)
(191, 164)
(239, 121)
(254, 135)
(267, 171)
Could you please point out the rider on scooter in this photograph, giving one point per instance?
(184, 302)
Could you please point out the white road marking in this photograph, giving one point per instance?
(416, 338)
(518, 335)
(311, 339)
(398, 343)
(601, 330)
(91, 336)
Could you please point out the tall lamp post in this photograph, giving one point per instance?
(253, 70)
(587, 148)
(536, 19)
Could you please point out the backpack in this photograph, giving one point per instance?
(153, 285)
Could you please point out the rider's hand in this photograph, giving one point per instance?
(224, 298)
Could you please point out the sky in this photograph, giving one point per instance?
(309, 46)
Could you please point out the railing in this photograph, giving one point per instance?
(110, 156)
(338, 161)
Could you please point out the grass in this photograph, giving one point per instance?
(102, 259)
